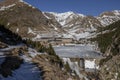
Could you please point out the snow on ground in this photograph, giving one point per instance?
(82, 35)
(61, 17)
(63, 22)
(1, 53)
(92, 28)
(106, 20)
(103, 32)
(33, 52)
(81, 15)
(89, 66)
(26, 58)
(27, 4)
(31, 31)
(74, 66)
(45, 35)
(12, 47)
(8, 24)
(6, 7)
(67, 36)
(55, 28)
(77, 36)
(116, 12)
(46, 15)
(21, 1)
(38, 36)
(27, 71)
(17, 30)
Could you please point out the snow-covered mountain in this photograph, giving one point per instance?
(107, 18)
(64, 18)
(81, 26)
(109, 45)
(30, 22)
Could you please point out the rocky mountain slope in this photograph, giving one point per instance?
(26, 20)
(8, 36)
(81, 26)
(109, 44)
(28, 60)
(29, 22)
(20, 18)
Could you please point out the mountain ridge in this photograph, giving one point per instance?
(75, 23)
(32, 23)
(26, 20)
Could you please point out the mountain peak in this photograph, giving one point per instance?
(110, 13)
(72, 13)
(116, 12)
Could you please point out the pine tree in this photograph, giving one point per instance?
(51, 50)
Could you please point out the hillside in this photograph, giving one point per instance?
(109, 44)
(26, 20)
(22, 54)
(80, 25)
(28, 60)
(8, 36)
(30, 22)
(107, 36)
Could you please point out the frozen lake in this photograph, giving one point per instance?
(77, 51)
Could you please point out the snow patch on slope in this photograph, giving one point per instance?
(27, 70)
(27, 4)
(61, 17)
(6, 7)
(46, 15)
(37, 37)
(116, 12)
(107, 19)
(74, 66)
(77, 36)
(17, 30)
(55, 28)
(8, 24)
(33, 52)
(31, 31)
(21, 1)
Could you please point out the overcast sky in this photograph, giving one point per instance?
(87, 7)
